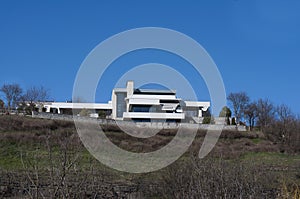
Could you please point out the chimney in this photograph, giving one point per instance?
(130, 88)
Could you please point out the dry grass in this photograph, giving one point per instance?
(291, 191)
(21, 123)
(52, 146)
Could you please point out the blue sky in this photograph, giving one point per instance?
(255, 44)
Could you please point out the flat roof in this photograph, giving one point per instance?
(79, 105)
(120, 90)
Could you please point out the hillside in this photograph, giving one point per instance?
(37, 155)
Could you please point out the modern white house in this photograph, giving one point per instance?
(70, 108)
(137, 104)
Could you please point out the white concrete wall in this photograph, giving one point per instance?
(142, 115)
(130, 88)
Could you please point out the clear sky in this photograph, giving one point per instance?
(254, 43)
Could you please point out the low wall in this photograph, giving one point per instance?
(155, 125)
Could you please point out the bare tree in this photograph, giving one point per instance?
(284, 113)
(265, 113)
(34, 95)
(12, 94)
(286, 122)
(250, 114)
(238, 101)
(1, 104)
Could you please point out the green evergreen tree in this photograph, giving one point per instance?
(226, 112)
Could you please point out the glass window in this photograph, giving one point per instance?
(121, 104)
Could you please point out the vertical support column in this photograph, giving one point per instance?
(130, 89)
(200, 112)
(114, 104)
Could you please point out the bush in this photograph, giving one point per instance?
(208, 120)
(102, 114)
(21, 123)
(209, 178)
(287, 135)
(85, 113)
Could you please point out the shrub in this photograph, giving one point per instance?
(210, 178)
(85, 113)
(102, 114)
(208, 120)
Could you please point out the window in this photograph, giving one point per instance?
(121, 104)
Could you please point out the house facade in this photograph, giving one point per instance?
(138, 105)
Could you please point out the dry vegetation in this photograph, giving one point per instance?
(45, 159)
